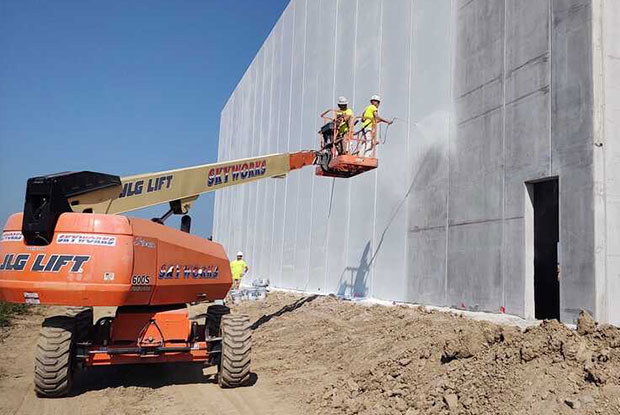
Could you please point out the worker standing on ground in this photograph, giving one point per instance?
(238, 268)
(370, 119)
(343, 123)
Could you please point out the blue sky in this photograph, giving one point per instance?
(120, 87)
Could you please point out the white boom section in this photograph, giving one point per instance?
(184, 184)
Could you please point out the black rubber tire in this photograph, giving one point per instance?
(83, 322)
(234, 368)
(214, 317)
(53, 365)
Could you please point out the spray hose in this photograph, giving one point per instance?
(383, 138)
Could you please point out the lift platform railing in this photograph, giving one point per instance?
(362, 142)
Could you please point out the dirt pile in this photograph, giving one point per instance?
(343, 358)
(486, 369)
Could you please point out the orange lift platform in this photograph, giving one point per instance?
(345, 155)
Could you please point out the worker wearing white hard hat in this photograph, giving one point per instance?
(238, 268)
(343, 123)
(370, 119)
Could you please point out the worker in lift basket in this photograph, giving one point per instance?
(370, 119)
(238, 268)
(343, 124)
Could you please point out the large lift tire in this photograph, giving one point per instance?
(83, 321)
(53, 365)
(214, 317)
(234, 368)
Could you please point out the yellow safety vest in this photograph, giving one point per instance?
(237, 267)
(343, 127)
(368, 117)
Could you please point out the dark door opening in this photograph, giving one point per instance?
(546, 239)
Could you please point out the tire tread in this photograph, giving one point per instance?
(53, 360)
(236, 352)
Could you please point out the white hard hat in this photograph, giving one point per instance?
(239, 253)
(375, 98)
(343, 101)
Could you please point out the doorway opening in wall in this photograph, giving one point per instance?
(543, 245)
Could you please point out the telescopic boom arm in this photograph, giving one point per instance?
(186, 184)
(47, 197)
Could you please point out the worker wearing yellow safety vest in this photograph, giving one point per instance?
(343, 123)
(370, 119)
(344, 116)
(238, 268)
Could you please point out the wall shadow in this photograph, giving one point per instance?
(286, 309)
(356, 285)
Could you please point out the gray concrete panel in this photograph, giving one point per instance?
(217, 203)
(227, 201)
(577, 243)
(431, 58)
(284, 79)
(476, 170)
(390, 225)
(292, 181)
(572, 85)
(306, 129)
(247, 139)
(527, 32)
(527, 148)
(362, 195)
(252, 224)
(571, 138)
(479, 44)
(476, 150)
(530, 78)
(611, 289)
(527, 48)
(481, 100)
(262, 111)
(338, 204)
(272, 147)
(426, 252)
(430, 114)
(236, 194)
(325, 97)
(474, 266)
(610, 237)
(513, 265)
(428, 177)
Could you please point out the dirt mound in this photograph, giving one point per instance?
(353, 359)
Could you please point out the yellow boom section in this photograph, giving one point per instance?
(184, 185)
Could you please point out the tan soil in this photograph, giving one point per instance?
(335, 357)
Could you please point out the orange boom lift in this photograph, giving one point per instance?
(70, 247)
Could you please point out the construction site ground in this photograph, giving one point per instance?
(328, 356)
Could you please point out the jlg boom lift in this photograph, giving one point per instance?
(70, 247)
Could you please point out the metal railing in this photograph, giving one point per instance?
(362, 143)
